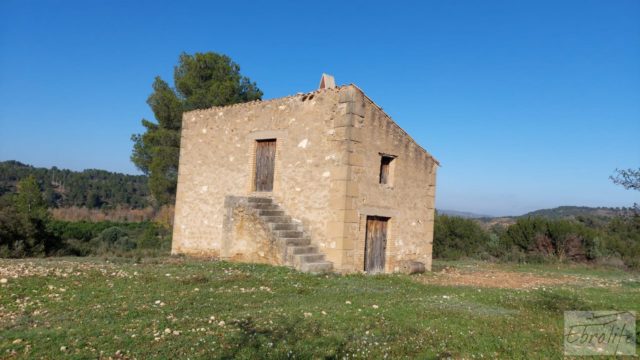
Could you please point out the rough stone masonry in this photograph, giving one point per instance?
(319, 181)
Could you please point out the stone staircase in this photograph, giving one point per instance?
(290, 236)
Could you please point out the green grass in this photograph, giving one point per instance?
(549, 269)
(101, 308)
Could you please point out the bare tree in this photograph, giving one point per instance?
(629, 179)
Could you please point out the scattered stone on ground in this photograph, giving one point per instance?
(16, 268)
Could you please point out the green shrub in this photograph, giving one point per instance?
(523, 233)
(87, 230)
(544, 239)
(76, 247)
(112, 235)
(456, 238)
(540, 240)
(140, 239)
(621, 238)
(155, 237)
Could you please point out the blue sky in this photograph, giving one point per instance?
(527, 104)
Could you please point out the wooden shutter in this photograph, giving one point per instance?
(385, 163)
(376, 244)
(265, 164)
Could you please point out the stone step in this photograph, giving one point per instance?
(307, 258)
(289, 233)
(302, 241)
(284, 226)
(316, 267)
(302, 249)
(276, 219)
(289, 236)
(271, 213)
(260, 200)
(265, 206)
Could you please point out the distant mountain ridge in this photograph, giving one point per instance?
(564, 212)
(462, 214)
(560, 212)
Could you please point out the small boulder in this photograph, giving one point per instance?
(411, 267)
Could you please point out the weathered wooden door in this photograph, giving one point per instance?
(376, 244)
(265, 164)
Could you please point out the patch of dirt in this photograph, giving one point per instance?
(495, 279)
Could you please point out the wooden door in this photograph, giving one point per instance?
(376, 244)
(265, 164)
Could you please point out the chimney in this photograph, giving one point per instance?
(327, 82)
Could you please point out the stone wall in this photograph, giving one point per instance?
(408, 200)
(326, 176)
(245, 238)
(217, 159)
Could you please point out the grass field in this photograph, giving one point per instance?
(180, 308)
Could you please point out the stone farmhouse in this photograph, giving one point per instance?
(322, 181)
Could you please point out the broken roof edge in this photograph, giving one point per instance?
(395, 123)
(337, 88)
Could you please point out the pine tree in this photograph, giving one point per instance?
(34, 217)
(201, 81)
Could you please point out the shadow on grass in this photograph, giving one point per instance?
(282, 339)
(558, 302)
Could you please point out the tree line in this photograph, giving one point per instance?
(27, 229)
(94, 189)
(609, 240)
(537, 239)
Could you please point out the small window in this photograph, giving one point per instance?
(385, 169)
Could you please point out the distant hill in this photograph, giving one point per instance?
(94, 189)
(565, 212)
(462, 214)
(597, 214)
